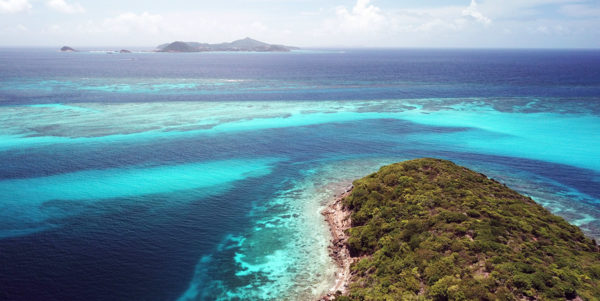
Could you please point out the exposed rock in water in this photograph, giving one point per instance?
(67, 49)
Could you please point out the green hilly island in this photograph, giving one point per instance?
(428, 229)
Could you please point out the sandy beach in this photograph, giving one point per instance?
(338, 219)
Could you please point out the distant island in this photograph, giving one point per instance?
(70, 49)
(428, 229)
(67, 49)
(246, 44)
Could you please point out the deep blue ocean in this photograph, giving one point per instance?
(201, 176)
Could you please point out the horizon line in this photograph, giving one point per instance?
(150, 48)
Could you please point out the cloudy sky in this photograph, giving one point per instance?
(334, 23)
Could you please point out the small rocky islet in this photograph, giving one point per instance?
(67, 49)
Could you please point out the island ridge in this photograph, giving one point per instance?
(428, 229)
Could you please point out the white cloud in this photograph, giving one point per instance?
(473, 12)
(373, 23)
(363, 17)
(369, 25)
(547, 28)
(519, 9)
(429, 20)
(370, 20)
(15, 30)
(55, 28)
(14, 6)
(64, 7)
(581, 10)
(137, 23)
(148, 28)
(258, 26)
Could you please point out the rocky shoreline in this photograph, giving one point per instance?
(338, 219)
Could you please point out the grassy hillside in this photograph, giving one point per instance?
(428, 229)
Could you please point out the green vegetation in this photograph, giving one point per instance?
(428, 229)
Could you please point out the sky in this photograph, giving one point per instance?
(304, 23)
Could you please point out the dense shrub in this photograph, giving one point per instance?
(433, 230)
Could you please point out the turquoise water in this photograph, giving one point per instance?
(563, 138)
(33, 202)
(203, 177)
(288, 248)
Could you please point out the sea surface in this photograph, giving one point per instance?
(201, 176)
